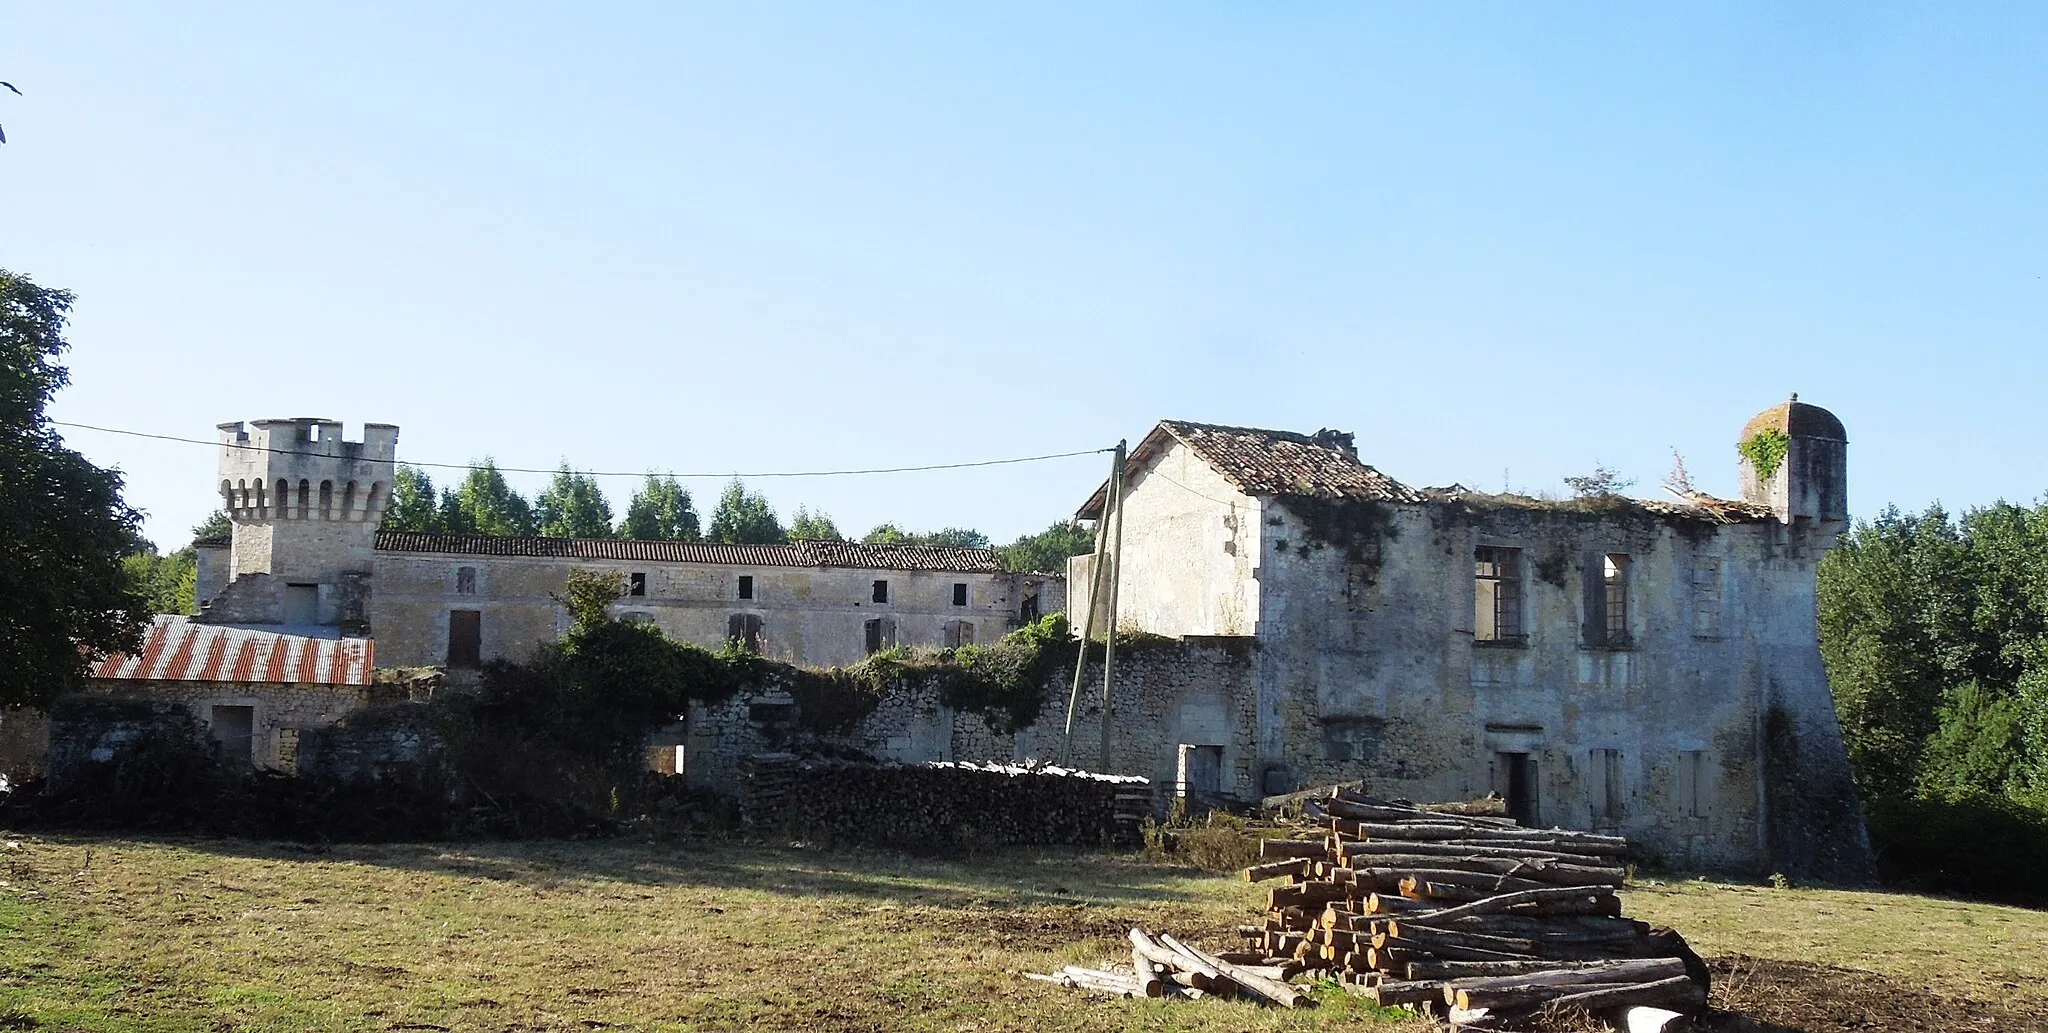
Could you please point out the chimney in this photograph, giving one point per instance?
(1341, 440)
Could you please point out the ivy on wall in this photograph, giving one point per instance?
(1766, 450)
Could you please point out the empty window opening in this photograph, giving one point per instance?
(1692, 783)
(744, 630)
(284, 498)
(959, 593)
(465, 581)
(327, 500)
(1028, 611)
(1200, 771)
(1614, 581)
(234, 728)
(881, 592)
(772, 714)
(959, 633)
(880, 634)
(1605, 786)
(302, 604)
(746, 586)
(305, 497)
(1706, 597)
(637, 584)
(1514, 778)
(1497, 596)
(465, 638)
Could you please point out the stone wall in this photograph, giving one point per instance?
(812, 616)
(1167, 694)
(24, 743)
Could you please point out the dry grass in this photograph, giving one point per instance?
(106, 934)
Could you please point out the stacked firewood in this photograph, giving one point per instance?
(940, 804)
(1463, 914)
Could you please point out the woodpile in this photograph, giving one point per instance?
(940, 804)
(1452, 911)
(1464, 915)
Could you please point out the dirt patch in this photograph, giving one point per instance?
(1759, 995)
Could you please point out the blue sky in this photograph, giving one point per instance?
(1497, 242)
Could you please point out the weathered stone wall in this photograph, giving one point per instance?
(1198, 537)
(1167, 694)
(279, 712)
(810, 616)
(402, 740)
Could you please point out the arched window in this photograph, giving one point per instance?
(305, 497)
(326, 500)
(284, 498)
(348, 501)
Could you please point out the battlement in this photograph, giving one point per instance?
(305, 469)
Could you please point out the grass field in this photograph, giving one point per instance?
(109, 934)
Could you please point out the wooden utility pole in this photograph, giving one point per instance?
(1116, 471)
(1116, 564)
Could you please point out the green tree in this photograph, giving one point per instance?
(216, 525)
(485, 504)
(1047, 551)
(661, 511)
(745, 517)
(950, 537)
(805, 525)
(414, 506)
(573, 506)
(66, 598)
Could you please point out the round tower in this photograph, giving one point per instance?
(1795, 462)
(305, 505)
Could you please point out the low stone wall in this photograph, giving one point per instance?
(1168, 694)
(939, 806)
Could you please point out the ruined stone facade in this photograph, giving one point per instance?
(808, 603)
(1604, 663)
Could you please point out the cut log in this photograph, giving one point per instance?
(1351, 848)
(1298, 866)
(1201, 975)
(1391, 959)
(1487, 881)
(1539, 842)
(1514, 997)
(1389, 994)
(1431, 934)
(1150, 980)
(1502, 902)
(1645, 971)
(1390, 904)
(1450, 970)
(1423, 948)
(1283, 994)
(1418, 889)
(1678, 992)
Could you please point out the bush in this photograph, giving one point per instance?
(1981, 846)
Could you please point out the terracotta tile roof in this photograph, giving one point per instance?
(794, 554)
(177, 648)
(1269, 463)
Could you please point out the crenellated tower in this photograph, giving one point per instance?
(305, 504)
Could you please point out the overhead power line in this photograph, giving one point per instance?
(608, 473)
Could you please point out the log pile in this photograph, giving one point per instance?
(940, 804)
(1162, 966)
(1465, 915)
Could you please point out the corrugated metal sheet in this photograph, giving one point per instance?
(794, 554)
(179, 649)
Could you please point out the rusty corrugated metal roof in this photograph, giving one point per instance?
(176, 648)
(793, 554)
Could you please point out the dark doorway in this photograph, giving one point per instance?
(465, 638)
(234, 727)
(1515, 775)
